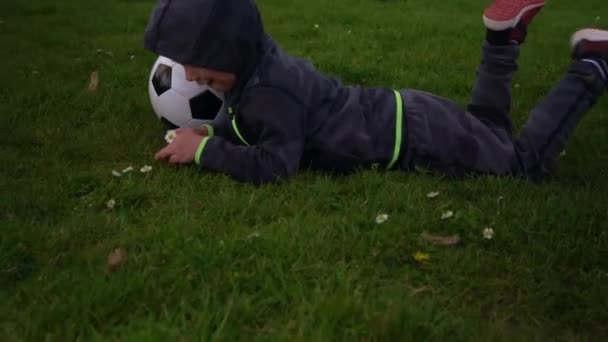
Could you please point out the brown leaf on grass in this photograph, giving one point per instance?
(419, 290)
(93, 82)
(116, 259)
(441, 240)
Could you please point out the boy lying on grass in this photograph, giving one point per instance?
(282, 115)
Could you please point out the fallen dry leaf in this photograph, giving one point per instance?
(93, 82)
(421, 257)
(419, 290)
(441, 240)
(116, 259)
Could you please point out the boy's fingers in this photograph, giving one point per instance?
(164, 153)
(175, 159)
(180, 130)
(198, 131)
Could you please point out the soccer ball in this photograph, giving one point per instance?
(178, 102)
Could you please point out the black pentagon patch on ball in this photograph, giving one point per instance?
(161, 80)
(205, 105)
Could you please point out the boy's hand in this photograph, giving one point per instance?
(183, 148)
(202, 131)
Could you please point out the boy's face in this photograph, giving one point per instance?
(217, 80)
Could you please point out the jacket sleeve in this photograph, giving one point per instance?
(220, 125)
(275, 123)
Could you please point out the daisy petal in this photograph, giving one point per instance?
(170, 136)
(381, 218)
(488, 233)
(110, 204)
(253, 235)
(145, 169)
(448, 214)
(432, 194)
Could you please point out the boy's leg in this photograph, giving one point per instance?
(552, 122)
(506, 22)
(443, 137)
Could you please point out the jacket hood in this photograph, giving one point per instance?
(222, 35)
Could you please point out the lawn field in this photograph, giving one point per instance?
(203, 257)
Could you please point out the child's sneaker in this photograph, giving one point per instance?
(507, 20)
(591, 45)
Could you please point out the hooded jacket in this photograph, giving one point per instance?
(282, 115)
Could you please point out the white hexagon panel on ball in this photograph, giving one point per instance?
(177, 101)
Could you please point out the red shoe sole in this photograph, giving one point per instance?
(505, 14)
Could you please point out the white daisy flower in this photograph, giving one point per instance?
(132, 57)
(253, 235)
(145, 169)
(447, 215)
(170, 136)
(316, 26)
(381, 218)
(110, 204)
(432, 194)
(127, 169)
(488, 233)
(116, 173)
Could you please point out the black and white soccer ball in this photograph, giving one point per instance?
(179, 102)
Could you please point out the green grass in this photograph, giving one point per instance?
(212, 259)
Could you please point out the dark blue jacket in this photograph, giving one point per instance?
(282, 115)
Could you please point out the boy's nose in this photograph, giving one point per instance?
(189, 76)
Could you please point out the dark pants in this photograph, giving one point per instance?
(444, 137)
